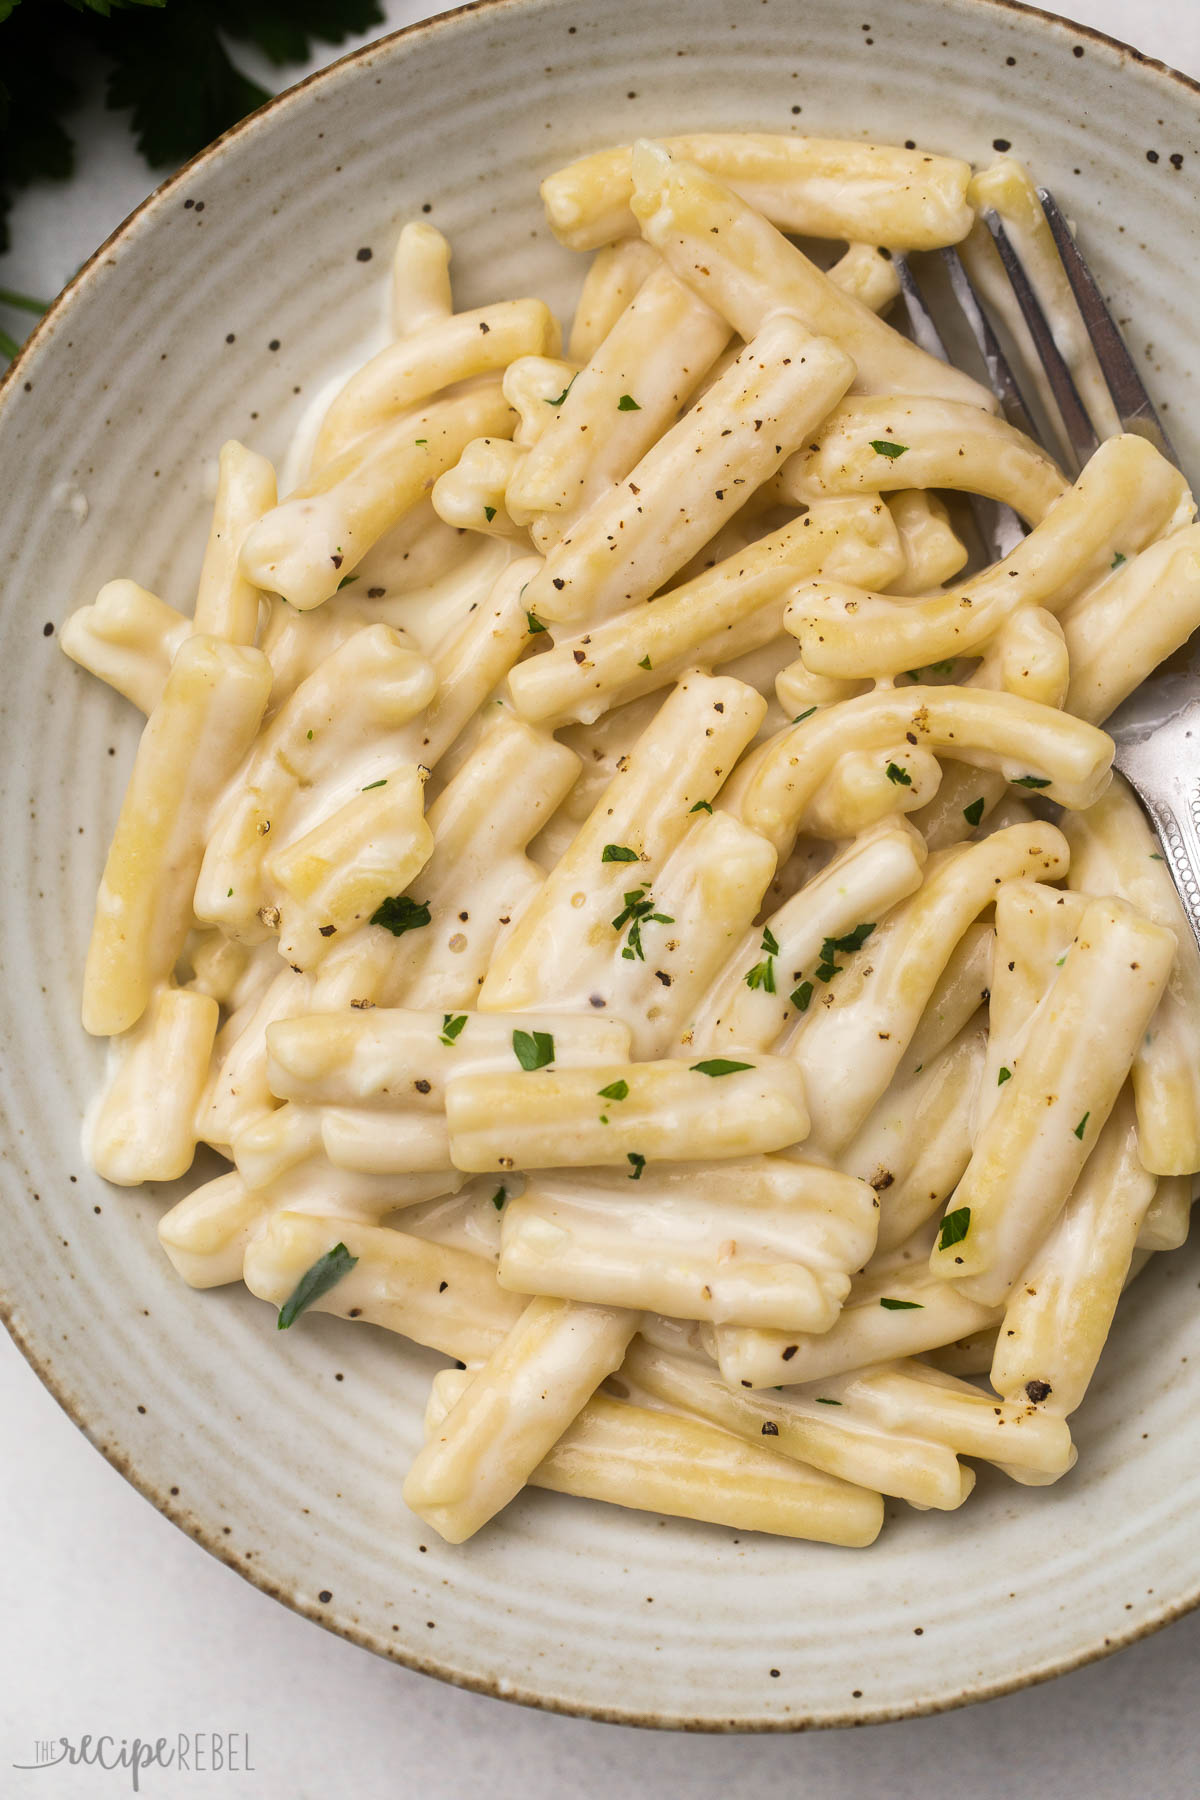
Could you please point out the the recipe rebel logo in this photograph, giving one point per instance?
(192, 1753)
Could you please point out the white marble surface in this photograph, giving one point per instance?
(114, 1622)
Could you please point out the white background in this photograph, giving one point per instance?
(113, 1621)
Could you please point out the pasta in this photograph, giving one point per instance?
(639, 904)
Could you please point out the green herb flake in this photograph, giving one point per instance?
(374, 784)
(420, 441)
(345, 582)
(533, 1049)
(310, 737)
(1003, 1076)
(901, 1305)
(973, 813)
(1117, 560)
(534, 623)
(897, 776)
(325, 1273)
(564, 393)
(942, 668)
(399, 914)
(1082, 1125)
(847, 945)
(801, 996)
(618, 853)
(955, 1227)
(706, 806)
(719, 1065)
(489, 513)
(883, 447)
(616, 1090)
(645, 663)
(762, 975)
(800, 717)
(627, 403)
(1155, 857)
(499, 1197)
(822, 1401)
(639, 1163)
(637, 911)
(1030, 781)
(769, 943)
(452, 1026)
(825, 971)
(229, 895)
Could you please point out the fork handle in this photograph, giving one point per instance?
(1173, 804)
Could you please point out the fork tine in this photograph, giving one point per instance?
(1003, 382)
(1078, 426)
(924, 329)
(998, 526)
(1133, 403)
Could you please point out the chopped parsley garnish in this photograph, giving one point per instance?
(533, 1049)
(639, 1163)
(645, 663)
(618, 853)
(883, 447)
(822, 1401)
(955, 1227)
(564, 393)
(616, 1090)
(801, 996)
(420, 440)
(800, 717)
(325, 1273)
(719, 1065)
(451, 1026)
(499, 1197)
(1003, 1076)
(374, 784)
(399, 914)
(973, 813)
(1155, 857)
(897, 776)
(853, 940)
(1117, 560)
(534, 623)
(489, 513)
(1082, 1125)
(762, 975)
(627, 403)
(345, 582)
(1030, 781)
(901, 1305)
(706, 806)
(638, 911)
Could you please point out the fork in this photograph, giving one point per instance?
(1156, 730)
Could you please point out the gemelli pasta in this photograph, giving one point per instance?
(639, 902)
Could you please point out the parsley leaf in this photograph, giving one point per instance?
(534, 623)
(762, 975)
(955, 1227)
(374, 784)
(616, 1090)
(1030, 781)
(639, 1163)
(1003, 1076)
(801, 996)
(719, 1065)
(897, 776)
(533, 1049)
(451, 1026)
(325, 1273)
(645, 663)
(399, 914)
(1082, 1126)
(627, 403)
(489, 513)
(706, 806)
(618, 853)
(499, 1197)
(973, 813)
(883, 447)
(564, 393)
(901, 1305)
(800, 717)
(1117, 560)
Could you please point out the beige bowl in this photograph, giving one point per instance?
(212, 312)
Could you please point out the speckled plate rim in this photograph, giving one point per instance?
(121, 1459)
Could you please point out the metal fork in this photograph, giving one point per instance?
(1157, 729)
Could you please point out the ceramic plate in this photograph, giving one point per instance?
(214, 312)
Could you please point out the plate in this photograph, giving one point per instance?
(215, 311)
